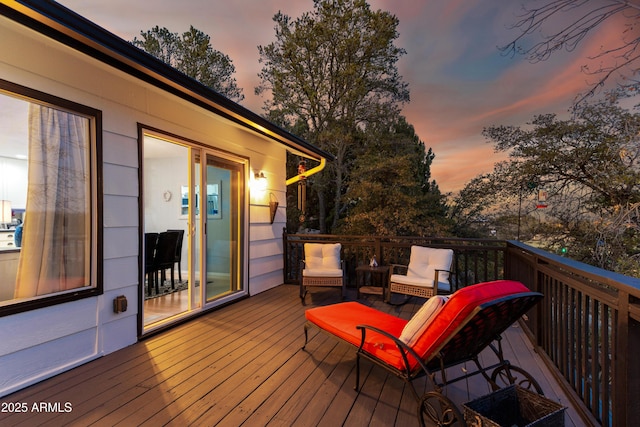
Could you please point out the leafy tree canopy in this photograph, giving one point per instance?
(588, 164)
(331, 74)
(597, 150)
(390, 191)
(192, 54)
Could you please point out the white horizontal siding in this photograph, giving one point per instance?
(120, 150)
(31, 328)
(51, 357)
(265, 282)
(121, 230)
(266, 251)
(265, 248)
(266, 265)
(120, 242)
(120, 180)
(261, 214)
(116, 333)
(119, 211)
(41, 343)
(121, 272)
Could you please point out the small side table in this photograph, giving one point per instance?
(372, 280)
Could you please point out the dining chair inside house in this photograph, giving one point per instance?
(165, 257)
(150, 245)
(178, 259)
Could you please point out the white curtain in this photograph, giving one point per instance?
(54, 254)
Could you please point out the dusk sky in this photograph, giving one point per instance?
(458, 79)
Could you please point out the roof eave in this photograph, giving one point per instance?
(67, 27)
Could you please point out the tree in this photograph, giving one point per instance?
(332, 73)
(590, 167)
(584, 16)
(597, 149)
(193, 55)
(390, 191)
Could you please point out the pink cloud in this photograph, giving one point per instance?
(448, 109)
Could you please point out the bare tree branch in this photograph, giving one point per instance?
(586, 15)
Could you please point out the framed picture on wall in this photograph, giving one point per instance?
(213, 205)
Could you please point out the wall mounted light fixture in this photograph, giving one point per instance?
(260, 181)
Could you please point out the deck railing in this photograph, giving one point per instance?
(478, 260)
(587, 328)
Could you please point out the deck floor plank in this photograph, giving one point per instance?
(233, 369)
(109, 372)
(178, 358)
(244, 365)
(301, 397)
(257, 392)
(262, 404)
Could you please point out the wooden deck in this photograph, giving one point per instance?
(243, 365)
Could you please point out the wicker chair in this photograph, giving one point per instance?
(427, 274)
(322, 267)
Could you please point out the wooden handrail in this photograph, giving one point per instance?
(586, 329)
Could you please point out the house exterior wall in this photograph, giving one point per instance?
(38, 344)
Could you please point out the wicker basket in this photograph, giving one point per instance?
(513, 406)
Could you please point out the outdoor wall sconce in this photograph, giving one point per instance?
(273, 206)
(260, 181)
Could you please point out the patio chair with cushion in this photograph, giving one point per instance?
(445, 332)
(322, 267)
(427, 274)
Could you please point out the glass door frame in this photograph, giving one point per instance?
(196, 229)
(242, 252)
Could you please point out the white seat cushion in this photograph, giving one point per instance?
(419, 281)
(425, 261)
(411, 280)
(419, 262)
(322, 272)
(420, 321)
(320, 256)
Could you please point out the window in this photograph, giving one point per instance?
(50, 230)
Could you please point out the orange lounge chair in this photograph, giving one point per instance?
(445, 332)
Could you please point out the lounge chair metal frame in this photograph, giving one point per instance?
(482, 328)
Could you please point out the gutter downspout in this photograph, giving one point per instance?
(302, 176)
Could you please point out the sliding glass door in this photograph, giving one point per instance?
(224, 219)
(204, 204)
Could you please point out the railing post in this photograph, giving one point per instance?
(626, 387)
(285, 254)
(633, 385)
